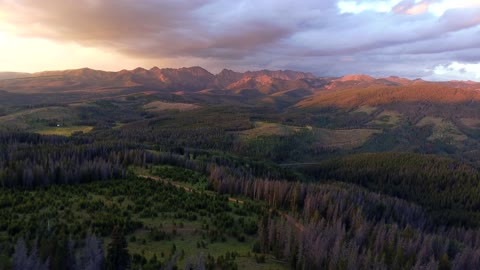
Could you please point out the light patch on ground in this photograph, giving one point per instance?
(270, 129)
(268, 100)
(31, 118)
(366, 109)
(327, 138)
(88, 104)
(41, 113)
(342, 138)
(471, 122)
(387, 118)
(442, 129)
(158, 106)
(64, 131)
(118, 125)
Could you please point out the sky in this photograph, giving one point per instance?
(430, 39)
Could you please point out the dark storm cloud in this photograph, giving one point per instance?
(308, 35)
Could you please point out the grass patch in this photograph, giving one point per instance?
(270, 129)
(471, 122)
(38, 118)
(387, 119)
(160, 219)
(365, 109)
(64, 131)
(158, 106)
(342, 138)
(443, 130)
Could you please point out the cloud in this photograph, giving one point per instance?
(412, 7)
(148, 28)
(356, 7)
(456, 71)
(327, 37)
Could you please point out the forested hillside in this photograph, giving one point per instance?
(184, 169)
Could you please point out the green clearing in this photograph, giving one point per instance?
(158, 106)
(284, 143)
(269, 129)
(443, 130)
(31, 119)
(64, 131)
(471, 122)
(387, 119)
(342, 138)
(159, 219)
(365, 109)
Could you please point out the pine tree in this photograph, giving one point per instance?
(20, 256)
(118, 257)
(91, 257)
(444, 263)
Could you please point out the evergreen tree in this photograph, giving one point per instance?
(118, 257)
(23, 261)
(91, 257)
(20, 256)
(444, 263)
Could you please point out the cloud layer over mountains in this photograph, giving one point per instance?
(406, 38)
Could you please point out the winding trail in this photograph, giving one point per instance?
(288, 217)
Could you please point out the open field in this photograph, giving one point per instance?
(387, 118)
(365, 109)
(442, 129)
(342, 138)
(270, 129)
(64, 131)
(471, 122)
(34, 118)
(157, 106)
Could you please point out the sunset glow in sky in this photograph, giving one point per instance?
(432, 39)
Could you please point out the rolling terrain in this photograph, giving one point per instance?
(238, 170)
(443, 114)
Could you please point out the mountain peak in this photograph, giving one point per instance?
(356, 77)
(228, 71)
(281, 74)
(140, 69)
(196, 78)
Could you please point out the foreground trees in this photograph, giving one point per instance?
(118, 257)
(448, 188)
(319, 225)
(341, 226)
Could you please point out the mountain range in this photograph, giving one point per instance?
(284, 87)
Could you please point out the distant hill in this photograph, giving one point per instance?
(378, 95)
(280, 88)
(13, 75)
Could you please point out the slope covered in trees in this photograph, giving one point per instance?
(246, 180)
(348, 227)
(446, 187)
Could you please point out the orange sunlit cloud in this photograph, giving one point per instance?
(406, 38)
(35, 54)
